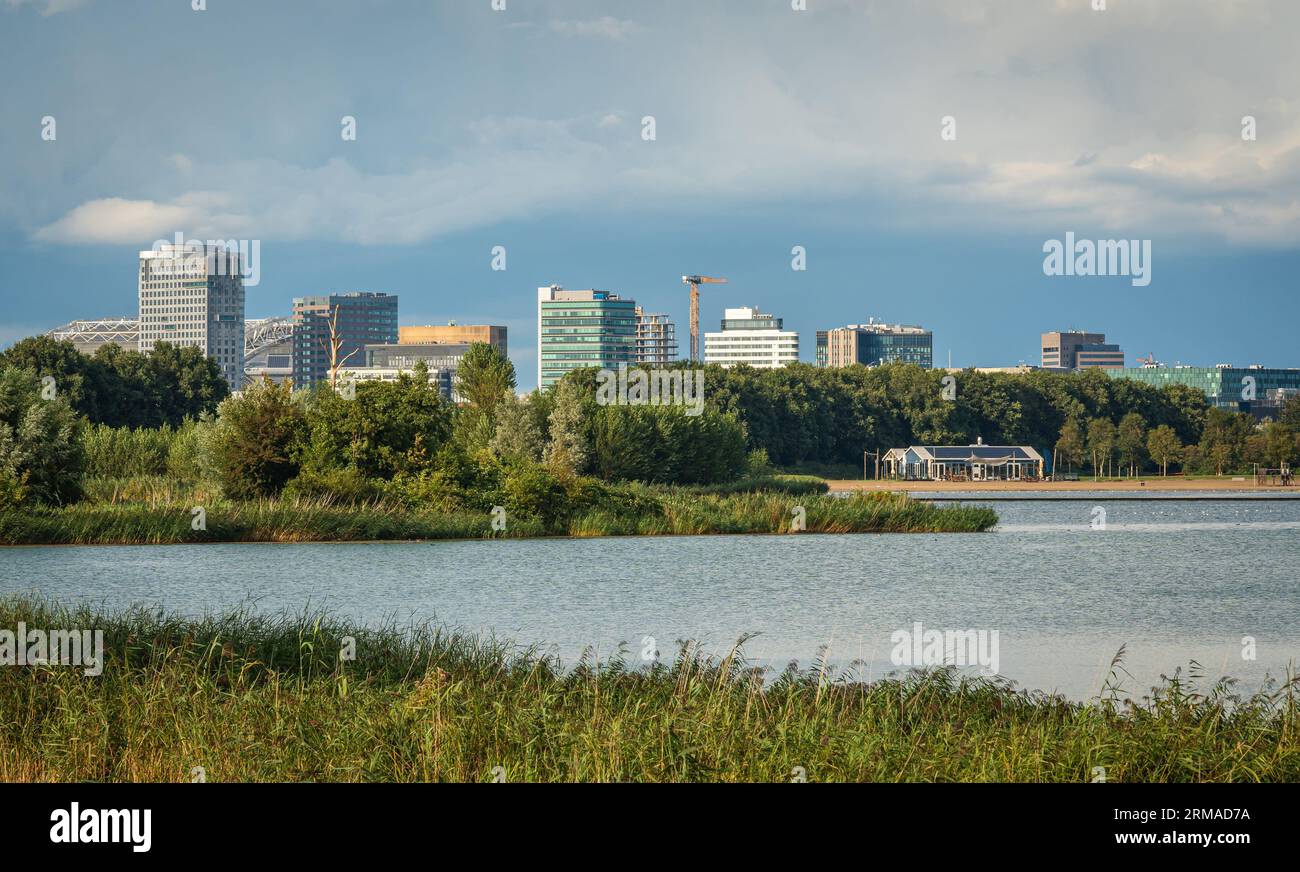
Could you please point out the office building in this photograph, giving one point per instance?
(454, 334)
(874, 344)
(577, 329)
(346, 323)
(823, 347)
(751, 337)
(1075, 349)
(1225, 386)
(656, 338)
(193, 295)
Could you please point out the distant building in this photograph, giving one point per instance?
(193, 295)
(455, 334)
(268, 350)
(978, 462)
(1018, 369)
(92, 335)
(656, 338)
(823, 352)
(1236, 389)
(1074, 349)
(751, 337)
(577, 329)
(445, 355)
(873, 344)
(358, 318)
(443, 378)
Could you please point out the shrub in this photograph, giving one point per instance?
(41, 455)
(255, 444)
(347, 486)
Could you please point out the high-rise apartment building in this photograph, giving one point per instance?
(1075, 349)
(345, 322)
(874, 344)
(576, 329)
(656, 338)
(193, 295)
(751, 337)
(454, 334)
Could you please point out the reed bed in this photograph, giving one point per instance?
(165, 517)
(257, 698)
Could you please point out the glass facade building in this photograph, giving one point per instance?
(577, 329)
(356, 319)
(1227, 387)
(873, 344)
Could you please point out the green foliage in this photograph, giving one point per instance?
(268, 700)
(568, 427)
(1070, 447)
(387, 429)
(664, 444)
(254, 447)
(123, 451)
(41, 456)
(805, 415)
(1164, 447)
(344, 486)
(484, 377)
(124, 388)
(519, 429)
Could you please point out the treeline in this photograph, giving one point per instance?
(549, 456)
(166, 414)
(806, 415)
(123, 388)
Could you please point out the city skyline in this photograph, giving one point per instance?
(533, 156)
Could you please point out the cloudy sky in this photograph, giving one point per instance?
(773, 128)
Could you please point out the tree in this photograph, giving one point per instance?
(1223, 440)
(41, 456)
(1164, 446)
(1290, 414)
(1101, 442)
(254, 448)
(484, 377)
(1131, 440)
(567, 450)
(386, 429)
(518, 433)
(1281, 444)
(1070, 446)
(122, 387)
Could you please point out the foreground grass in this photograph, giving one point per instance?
(660, 512)
(269, 699)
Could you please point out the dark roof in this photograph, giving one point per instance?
(978, 452)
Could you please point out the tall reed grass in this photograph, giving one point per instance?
(255, 698)
(162, 513)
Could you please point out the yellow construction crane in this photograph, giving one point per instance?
(695, 282)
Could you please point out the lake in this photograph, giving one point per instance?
(1172, 581)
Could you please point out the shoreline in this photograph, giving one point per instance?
(1157, 484)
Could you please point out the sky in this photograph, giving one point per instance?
(774, 127)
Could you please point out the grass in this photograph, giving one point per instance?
(147, 512)
(252, 698)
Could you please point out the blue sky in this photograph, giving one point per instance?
(774, 128)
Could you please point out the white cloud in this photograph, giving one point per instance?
(116, 220)
(49, 7)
